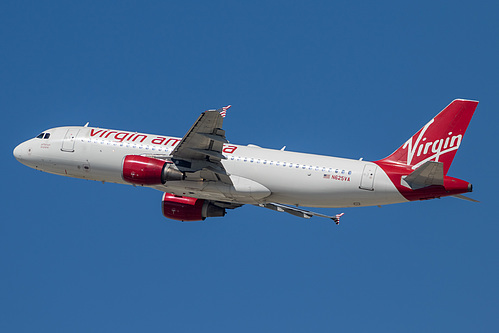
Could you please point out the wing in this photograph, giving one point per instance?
(298, 211)
(199, 153)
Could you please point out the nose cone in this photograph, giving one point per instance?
(18, 152)
(23, 154)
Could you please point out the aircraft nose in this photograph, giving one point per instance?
(23, 153)
(18, 152)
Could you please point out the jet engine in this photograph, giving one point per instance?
(142, 170)
(188, 209)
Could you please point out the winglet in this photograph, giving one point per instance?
(223, 110)
(336, 218)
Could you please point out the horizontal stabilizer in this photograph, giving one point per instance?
(462, 197)
(430, 173)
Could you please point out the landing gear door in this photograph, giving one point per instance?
(68, 144)
(367, 180)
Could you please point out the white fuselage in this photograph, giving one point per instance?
(259, 175)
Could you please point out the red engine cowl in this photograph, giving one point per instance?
(143, 170)
(189, 209)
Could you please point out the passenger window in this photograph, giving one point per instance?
(47, 135)
(349, 172)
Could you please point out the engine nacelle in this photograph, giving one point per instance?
(189, 209)
(142, 170)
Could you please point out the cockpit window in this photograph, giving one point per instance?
(43, 136)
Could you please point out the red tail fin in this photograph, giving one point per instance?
(439, 139)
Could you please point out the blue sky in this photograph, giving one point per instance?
(336, 78)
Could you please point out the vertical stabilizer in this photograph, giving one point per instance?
(439, 139)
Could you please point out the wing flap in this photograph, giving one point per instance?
(207, 152)
(218, 137)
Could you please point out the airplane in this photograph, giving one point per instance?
(203, 175)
